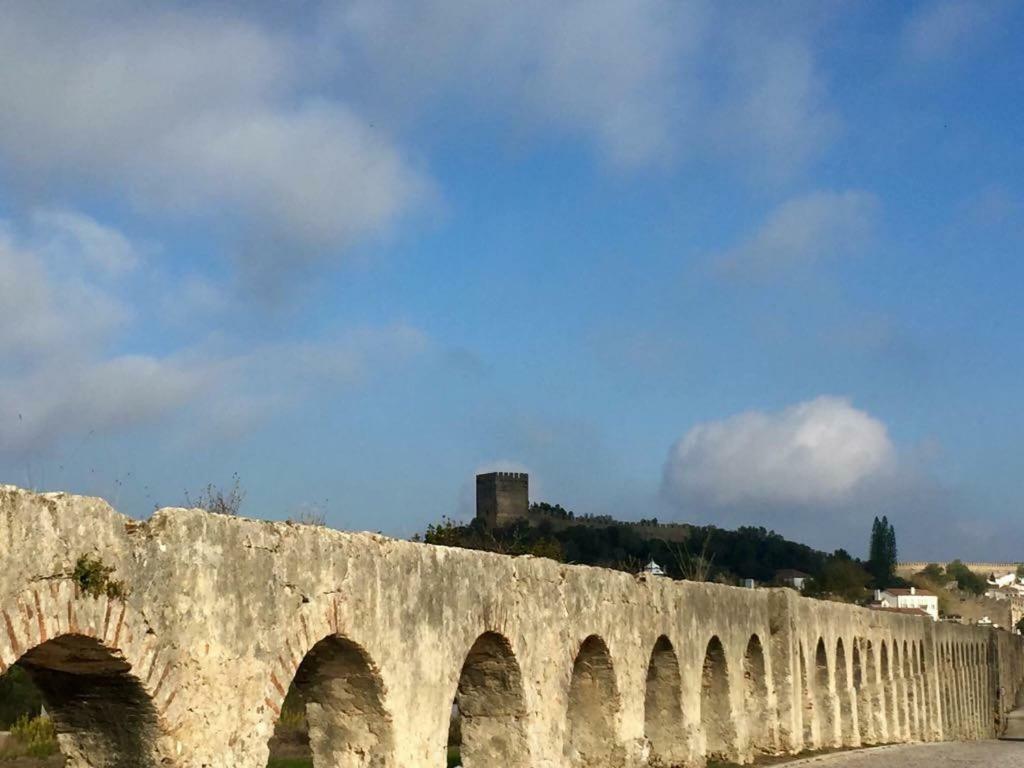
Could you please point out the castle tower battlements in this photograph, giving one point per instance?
(502, 497)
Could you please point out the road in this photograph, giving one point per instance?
(967, 754)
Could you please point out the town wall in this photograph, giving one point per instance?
(553, 666)
(982, 569)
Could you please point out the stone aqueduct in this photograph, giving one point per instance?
(552, 666)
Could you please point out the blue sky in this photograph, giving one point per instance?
(737, 263)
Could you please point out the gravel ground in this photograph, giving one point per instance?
(967, 754)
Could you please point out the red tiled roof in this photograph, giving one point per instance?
(904, 592)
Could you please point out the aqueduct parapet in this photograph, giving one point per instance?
(553, 666)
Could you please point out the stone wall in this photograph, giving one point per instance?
(552, 665)
(908, 569)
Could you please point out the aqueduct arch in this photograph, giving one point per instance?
(716, 716)
(824, 697)
(663, 714)
(843, 693)
(101, 672)
(593, 709)
(491, 707)
(807, 709)
(755, 695)
(102, 713)
(343, 697)
(220, 614)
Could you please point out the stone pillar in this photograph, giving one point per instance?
(785, 666)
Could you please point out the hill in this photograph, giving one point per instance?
(684, 551)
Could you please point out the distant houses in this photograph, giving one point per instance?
(908, 600)
(789, 577)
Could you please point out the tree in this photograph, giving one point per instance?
(966, 579)
(891, 554)
(842, 578)
(18, 697)
(934, 573)
(882, 553)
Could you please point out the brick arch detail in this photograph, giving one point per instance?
(57, 608)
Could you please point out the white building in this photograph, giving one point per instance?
(1005, 580)
(652, 569)
(911, 597)
(791, 578)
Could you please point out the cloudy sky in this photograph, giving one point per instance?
(705, 261)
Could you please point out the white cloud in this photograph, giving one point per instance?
(774, 117)
(603, 70)
(642, 84)
(816, 452)
(199, 112)
(68, 398)
(802, 232)
(939, 30)
(294, 139)
(62, 376)
(47, 307)
(71, 235)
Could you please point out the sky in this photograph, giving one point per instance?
(739, 263)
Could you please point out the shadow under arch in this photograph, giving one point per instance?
(716, 718)
(899, 695)
(593, 709)
(885, 690)
(491, 708)
(339, 690)
(807, 711)
(861, 700)
(910, 687)
(755, 692)
(843, 692)
(823, 697)
(663, 711)
(871, 693)
(923, 690)
(101, 711)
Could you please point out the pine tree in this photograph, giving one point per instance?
(882, 553)
(890, 551)
(876, 551)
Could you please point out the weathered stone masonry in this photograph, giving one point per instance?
(552, 665)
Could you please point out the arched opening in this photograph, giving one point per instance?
(976, 686)
(97, 711)
(334, 712)
(924, 690)
(860, 695)
(872, 688)
(899, 693)
(715, 710)
(490, 710)
(755, 694)
(663, 713)
(947, 682)
(910, 683)
(823, 697)
(843, 692)
(885, 691)
(593, 709)
(807, 711)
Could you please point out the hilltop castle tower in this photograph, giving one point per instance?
(502, 497)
